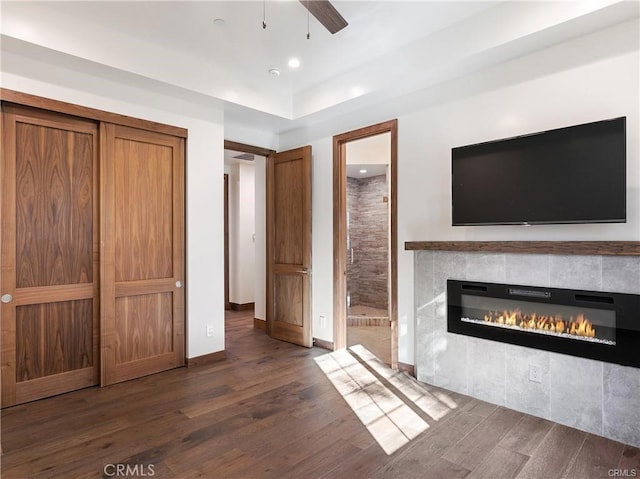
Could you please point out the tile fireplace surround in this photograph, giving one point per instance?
(593, 396)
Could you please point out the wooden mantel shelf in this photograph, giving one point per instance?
(615, 248)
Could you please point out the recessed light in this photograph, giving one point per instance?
(356, 91)
(219, 22)
(294, 62)
(363, 171)
(274, 72)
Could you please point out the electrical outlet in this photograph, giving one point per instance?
(323, 321)
(209, 330)
(535, 373)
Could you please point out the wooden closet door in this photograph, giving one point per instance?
(142, 267)
(49, 258)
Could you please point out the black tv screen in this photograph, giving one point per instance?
(568, 175)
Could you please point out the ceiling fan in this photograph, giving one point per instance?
(326, 14)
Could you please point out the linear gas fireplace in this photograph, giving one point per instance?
(590, 324)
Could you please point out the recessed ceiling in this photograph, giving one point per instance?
(389, 48)
(244, 47)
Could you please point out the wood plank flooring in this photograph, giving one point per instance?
(376, 339)
(268, 411)
(370, 327)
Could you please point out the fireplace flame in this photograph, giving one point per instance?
(578, 326)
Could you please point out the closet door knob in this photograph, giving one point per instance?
(178, 284)
(6, 298)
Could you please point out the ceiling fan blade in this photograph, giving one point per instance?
(326, 14)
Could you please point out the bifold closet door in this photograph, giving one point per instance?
(49, 254)
(142, 254)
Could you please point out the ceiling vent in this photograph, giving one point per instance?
(245, 157)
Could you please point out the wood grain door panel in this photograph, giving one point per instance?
(290, 287)
(54, 205)
(143, 253)
(289, 211)
(143, 195)
(49, 254)
(145, 327)
(289, 246)
(292, 303)
(53, 338)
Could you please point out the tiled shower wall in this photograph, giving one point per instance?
(367, 276)
(353, 268)
(593, 396)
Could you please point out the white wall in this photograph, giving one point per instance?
(586, 79)
(241, 230)
(247, 268)
(372, 150)
(260, 263)
(204, 169)
(322, 240)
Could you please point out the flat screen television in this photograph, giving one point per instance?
(575, 174)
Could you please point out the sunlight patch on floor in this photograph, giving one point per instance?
(436, 406)
(392, 422)
(389, 420)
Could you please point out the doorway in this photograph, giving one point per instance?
(365, 240)
(245, 242)
(279, 191)
(368, 245)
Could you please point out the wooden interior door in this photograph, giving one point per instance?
(289, 246)
(49, 258)
(142, 267)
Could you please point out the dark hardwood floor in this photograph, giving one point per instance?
(269, 411)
